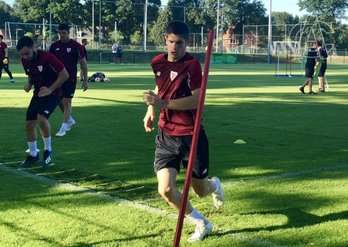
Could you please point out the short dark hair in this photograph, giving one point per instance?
(1, 36)
(178, 28)
(319, 42)
(24, 41)
(64, 26)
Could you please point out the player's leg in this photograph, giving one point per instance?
(33, 155)
(68, 89)
(47, 106)
(200, 183)
(30, 125)
(7, 70)
(1, 67)
(45, 129)
(321, 77)
(166, 178)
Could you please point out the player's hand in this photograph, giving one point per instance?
(149, 119)
(27, 87)
(5, 61)
(150, 98)
(85, 85)
(44, 91)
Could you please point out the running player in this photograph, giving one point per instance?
(69, 52)
(4, 62)
(178, 80)
(46, 73)
(312, 59)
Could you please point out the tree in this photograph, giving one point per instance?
(63, 11)
(7, 13)
(283, 23)
(326, 9)
(157, 30)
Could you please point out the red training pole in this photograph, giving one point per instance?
(195, 136)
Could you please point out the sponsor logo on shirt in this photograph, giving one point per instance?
(57, 49)
(158, 73)
(46, 111)
(173, 75)
(205, 171)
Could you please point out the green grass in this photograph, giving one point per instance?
(287, 186)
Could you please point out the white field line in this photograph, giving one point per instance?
(241, 236)
(72, 187)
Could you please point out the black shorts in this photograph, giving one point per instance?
(172, 150)
(309, 71)
(42, 105)
(68, 89)
(322, 70)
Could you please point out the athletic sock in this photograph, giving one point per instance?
(196, 218)
(65, 125)
(71, 119)
(32, 148)
(47, 142)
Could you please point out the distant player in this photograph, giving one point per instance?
(323, 65)
(178, 81)
(84, 42)
(46, 73)
(69, 52)
(4, 62)
(312, 59)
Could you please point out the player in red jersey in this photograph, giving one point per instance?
(4, 62)
(69, 52)
(178, 81)
(46, 73)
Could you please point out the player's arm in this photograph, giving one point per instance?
(84, 69)
(150, 115)
(186, 103)
(62, 77)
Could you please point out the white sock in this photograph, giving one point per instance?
(32, 148)
(47, 142)
(65, 125)
(70, 119)
(196, 218)
(216, 186)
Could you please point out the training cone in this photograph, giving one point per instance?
(239, 141)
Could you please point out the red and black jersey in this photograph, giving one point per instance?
(176, 80)
(3, 46)
(69, 54)
(43, 70)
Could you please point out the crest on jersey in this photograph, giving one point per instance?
(158, 73)
(40, 68)
(57, 49)
(173, 75)
(68, 49)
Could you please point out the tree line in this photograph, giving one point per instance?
(129, 16)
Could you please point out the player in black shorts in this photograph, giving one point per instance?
(46, 73)
(178, 81)
(323, 66)
(312, 59)
(4, 61)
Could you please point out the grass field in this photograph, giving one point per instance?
(287, 186)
